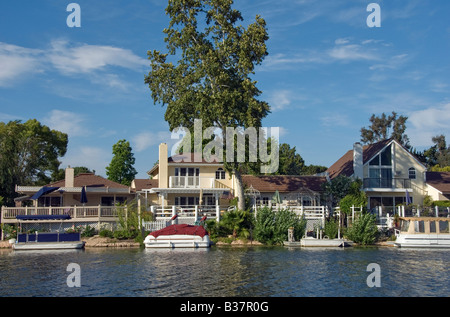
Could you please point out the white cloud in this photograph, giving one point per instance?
(335, 119)
(146, 139)
(283, 99)
(351, 52)
(16, 61)
(93, 158)
(85, 58)
(428, 123)
(67, 122)
(97, 61)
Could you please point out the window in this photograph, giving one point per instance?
(443, 226)
(187, 201)
(109, 201)
(419, 226)
(186, 177)
(220, 174)
(404, 225)
(49, 202)
(412, 173)
(433, 226)
(384, 158)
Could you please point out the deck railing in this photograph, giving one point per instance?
(75, 212)
(191, 182)
(387, 183)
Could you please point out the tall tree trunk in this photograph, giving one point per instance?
(239, 189)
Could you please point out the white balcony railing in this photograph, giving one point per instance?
(191, 182)
(75, 212)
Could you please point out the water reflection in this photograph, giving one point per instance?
(230, 272)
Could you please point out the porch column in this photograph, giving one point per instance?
(217, 208)
(174, 212)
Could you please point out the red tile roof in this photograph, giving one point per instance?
(89, 179)
(439, 180)
(272, 183)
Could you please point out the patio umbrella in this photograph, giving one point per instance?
(83, 195)
(408, 198)
(277, 199)
(43, 191)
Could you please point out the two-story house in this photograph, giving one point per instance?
(391, 175)
(185, 181)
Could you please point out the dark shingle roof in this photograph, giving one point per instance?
(89, 179)
(272, 183)
(439, 180)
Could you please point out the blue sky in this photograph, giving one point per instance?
(327, 72)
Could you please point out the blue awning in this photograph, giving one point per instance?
(43, 217)
(44, 190)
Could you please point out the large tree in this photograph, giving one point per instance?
(121, 168)
(29, 155)
(384, 127)
(437, 157)
(208, 73)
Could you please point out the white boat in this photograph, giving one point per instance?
(48, 241)
(423, 232)
(313, 242)
(178, 236)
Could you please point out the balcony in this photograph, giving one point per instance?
(391, 183)
(77, 213)
(191, 182)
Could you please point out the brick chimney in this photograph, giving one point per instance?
(70, 177)
(358, 166)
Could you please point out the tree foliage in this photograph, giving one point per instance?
(336, 189)
(385, 127)
(290, 162)
(121, 168)
(355, 197)
(206, 72)
(29, 155)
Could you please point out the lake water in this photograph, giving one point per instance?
(226, 272)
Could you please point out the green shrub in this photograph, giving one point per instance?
(106, 233)
(364, 230)
(441, 203)
(271, 227)
(237, 223)
(88, 231)
(265, 225)
(331, 228)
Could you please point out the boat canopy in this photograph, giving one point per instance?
(43, 217)
(181, 229)
(44, 190)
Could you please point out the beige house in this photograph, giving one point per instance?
(391, 175)
(87, 198)
(438, 185)
(185, 181)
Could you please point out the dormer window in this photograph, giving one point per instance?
(412, 173)
(220, 174)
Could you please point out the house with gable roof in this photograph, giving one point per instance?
(391, 175)
(438, 185)
(87, 198)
